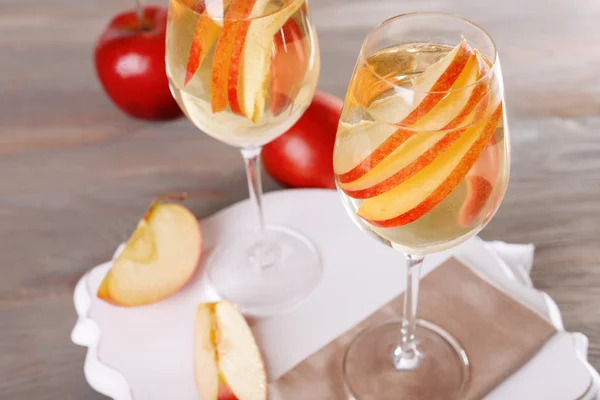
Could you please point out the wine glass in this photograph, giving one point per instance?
(244, 71)
(422, 164)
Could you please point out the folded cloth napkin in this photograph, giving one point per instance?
(498, 333)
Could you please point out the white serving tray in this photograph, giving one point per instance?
(145, 353)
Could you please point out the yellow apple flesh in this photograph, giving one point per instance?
(158, 260)
(227, 361)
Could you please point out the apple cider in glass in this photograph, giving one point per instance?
(243, 71)
(421, 155)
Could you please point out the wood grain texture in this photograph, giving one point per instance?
(77, 174)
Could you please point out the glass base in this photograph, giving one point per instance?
(265, 273)
(369, 372)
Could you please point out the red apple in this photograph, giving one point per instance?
(130, 62)
(303, 156)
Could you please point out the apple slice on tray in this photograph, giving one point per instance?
(159, 258)
(459, 108)
(457, 68)
(419, 194)
(227, 361)
(242, 61)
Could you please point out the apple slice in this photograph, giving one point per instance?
(479, 191)
(407, 106)
(460, 102)
(465, 104)
(228, 364)
(158, 260)
(458, 69)
(253, 79)
(419, 194)
(288, 66)
(205, 35)
(480, 180)
(415, 154)
(354, 145)
(224, 52)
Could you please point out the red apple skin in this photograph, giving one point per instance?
(303, 156)
(130, 63)
(225, 392)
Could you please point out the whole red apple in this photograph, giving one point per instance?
(303, 156)
(130, 62)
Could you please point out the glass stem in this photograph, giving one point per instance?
(253, 173)
(264, 253)
(406, 356)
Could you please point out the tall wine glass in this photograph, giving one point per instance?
(422, 163)
(244, 71)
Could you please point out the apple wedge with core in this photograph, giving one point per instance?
(458, 107)
(158, 260)
(419, 194)
(227, 361)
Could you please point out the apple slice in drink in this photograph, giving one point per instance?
(459, 108)
(242, 27)
(205, 35)
(480, 180)
(226, 49)
(227, 361)
(415, 154)
(253, 79)
(288, 66)
(354, 143)
(242, 60)
(158, 260)
(419, 194)
(426, 93)
(439, 77)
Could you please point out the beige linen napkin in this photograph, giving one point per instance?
(498, 334)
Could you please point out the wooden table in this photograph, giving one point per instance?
(77, 174)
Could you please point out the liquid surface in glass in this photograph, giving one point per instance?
(421, 154)
(243, 71)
